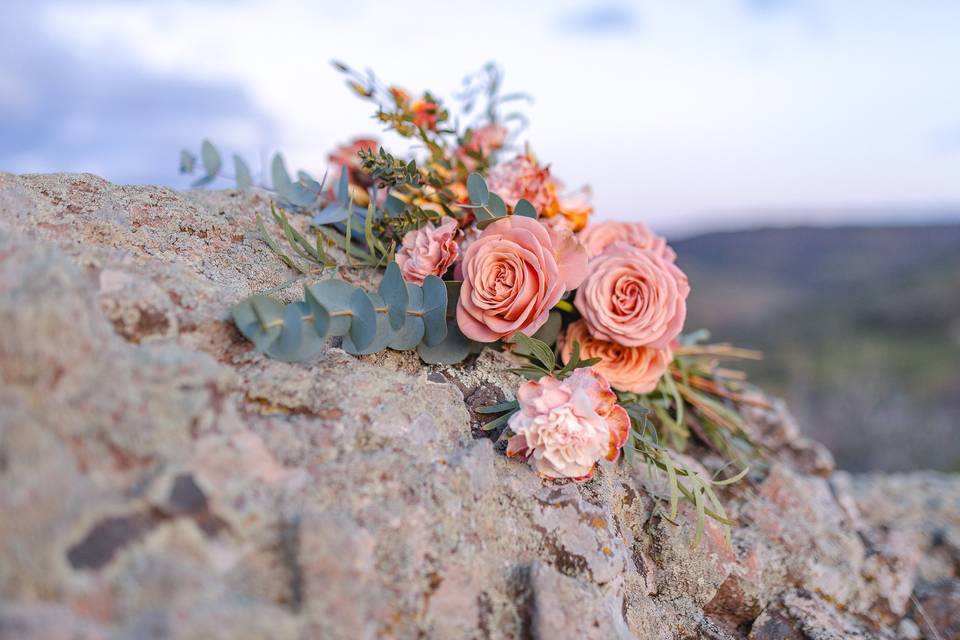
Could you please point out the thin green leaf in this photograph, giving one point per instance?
(498, 422)
(266, 237)
(498, 408)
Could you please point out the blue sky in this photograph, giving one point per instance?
(689, 115)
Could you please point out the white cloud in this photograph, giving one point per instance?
(704, 107)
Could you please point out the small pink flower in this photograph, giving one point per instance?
(564, 427)
(636, 369)
(520, 178)
(513, 274)
(428, 251)
(483, 140)
(597, 237)
(634, 297)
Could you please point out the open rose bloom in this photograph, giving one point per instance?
(634, 297)
(513, 275)
(597, 237)
(565, 427)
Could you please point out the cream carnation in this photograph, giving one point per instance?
(565, 427)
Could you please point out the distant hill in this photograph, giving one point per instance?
(860, 326)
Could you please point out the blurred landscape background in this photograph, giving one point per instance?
(860, 328)
(802, 155)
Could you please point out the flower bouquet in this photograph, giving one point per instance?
(484, 248)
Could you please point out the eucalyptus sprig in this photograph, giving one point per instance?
(399, 315)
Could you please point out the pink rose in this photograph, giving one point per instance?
(520, 178)
(428, 251)
(513, 274)
(636, 369)
(565, 427)
(597, 237)
(633, 297)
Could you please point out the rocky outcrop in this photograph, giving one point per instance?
(158, 479)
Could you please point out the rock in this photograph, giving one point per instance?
(564, 607)
(159, 479)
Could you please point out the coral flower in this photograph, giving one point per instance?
(636, 369)
(513, 274)
(428, 251)
(633, 297)
(597, 237)
(565, 427)
(425, 114)
(575, 208)
(520, 178)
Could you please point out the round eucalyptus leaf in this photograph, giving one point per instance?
(241, 172)
(321, 317)
(383, 333)
(289, 339)
(363, 328)
(409, 335)
(524, 208)
(210, 158)
(260, 319)
(297, 342)
(434, 310)
(434, 327)
(477, 189)
(434, 293)
(415, 297)
(451, 350)
(497, 206)
(334, 296)
(278, 173)
(393, 290)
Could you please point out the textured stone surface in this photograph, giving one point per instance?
(160, 480)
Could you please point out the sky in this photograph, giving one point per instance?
(687, 115)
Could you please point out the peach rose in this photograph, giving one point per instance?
(636, 369)
(428, 251)
(564, 427)
(513, 274)
(634, 297)
(599, 236)
(520, 178)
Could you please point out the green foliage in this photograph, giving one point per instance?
(543, 361)
(488, 206)
(682, 483)
(388, 170)
(399, 315)
(310, 257)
